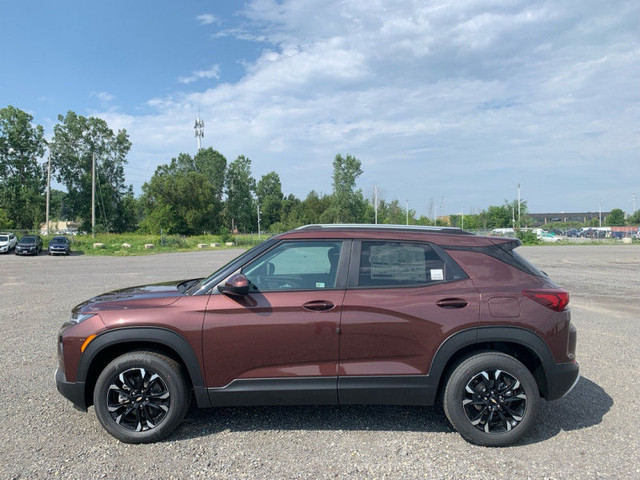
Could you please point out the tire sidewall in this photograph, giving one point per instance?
(172, 375)
(454, 393)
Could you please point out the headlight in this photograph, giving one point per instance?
(81, 317)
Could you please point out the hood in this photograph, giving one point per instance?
(144, 296)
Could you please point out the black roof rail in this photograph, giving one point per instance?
(369, 226)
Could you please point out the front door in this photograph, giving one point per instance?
(279, 343)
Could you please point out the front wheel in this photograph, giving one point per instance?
(141, 397)
(491, 399)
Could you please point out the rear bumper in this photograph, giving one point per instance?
(561, 379)
(72, 391)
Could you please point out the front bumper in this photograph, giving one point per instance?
(33, 251)
(561, 379)
(58, 251)
(73, 391)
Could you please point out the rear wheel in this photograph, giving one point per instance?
(141, 397)
(491, 399)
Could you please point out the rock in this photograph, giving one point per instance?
(229, 244)
(202, 245)
(98, 245)
(215, 245)
(126, 245)
(149, 245)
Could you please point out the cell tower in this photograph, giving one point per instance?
(198, 127)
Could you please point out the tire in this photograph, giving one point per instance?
(491, 399)
(141, 397)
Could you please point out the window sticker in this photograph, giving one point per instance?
(390, 262)
(437, 274)
(319, 284)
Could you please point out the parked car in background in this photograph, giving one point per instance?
(59, 246)
(8, 242)
(29, 245)
(331, 314)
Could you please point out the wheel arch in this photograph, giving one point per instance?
(114, 343)
(524, 345)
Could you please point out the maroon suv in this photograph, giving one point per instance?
(331, 314)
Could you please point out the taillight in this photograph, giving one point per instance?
(555, 299)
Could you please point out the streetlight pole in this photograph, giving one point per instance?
(406, 207)
(519, 224)
(93, 195)
(48, 191)
(375, 203)
(259, 233)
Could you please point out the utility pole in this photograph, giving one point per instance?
(48, 190)
(633, 195)
(375, 203)
(93, 195)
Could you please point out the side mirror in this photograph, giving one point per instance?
(237, 285)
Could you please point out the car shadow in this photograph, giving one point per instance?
(584, 407)
(203, 422)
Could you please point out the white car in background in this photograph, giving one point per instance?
(8, 242)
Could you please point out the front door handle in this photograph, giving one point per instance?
(318, 305)
(452, 303)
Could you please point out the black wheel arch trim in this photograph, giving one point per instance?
(491, 334)
(165, 337)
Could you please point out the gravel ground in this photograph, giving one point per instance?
(591, 433)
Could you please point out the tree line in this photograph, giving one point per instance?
(187, 195)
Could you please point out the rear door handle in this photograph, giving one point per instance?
(318, 305)
(452, 303)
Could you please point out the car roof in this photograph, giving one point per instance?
(439, 235)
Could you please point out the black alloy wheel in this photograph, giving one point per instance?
(141, 397)
(491, 399)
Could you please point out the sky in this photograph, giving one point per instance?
(449, 105)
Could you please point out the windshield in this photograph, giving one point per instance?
(28, 240)
(204, 281)
(58, 240)
(4, 238)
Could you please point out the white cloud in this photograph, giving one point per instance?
(213, 72)
(207, 19)
(456, 99)
(104, 97)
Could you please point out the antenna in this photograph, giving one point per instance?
(198, 127)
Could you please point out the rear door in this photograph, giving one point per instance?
(403, 300)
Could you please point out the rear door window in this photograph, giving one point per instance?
(397, 264)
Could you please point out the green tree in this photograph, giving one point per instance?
(348, 205)
(5, 223)
(240, 208)
(634, 218)
(58, 209)
(75, 141)
(615, 218)
(178, 201)
(498, 217)
(269, 193)
(22, 178)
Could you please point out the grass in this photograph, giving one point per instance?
(113, 243)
